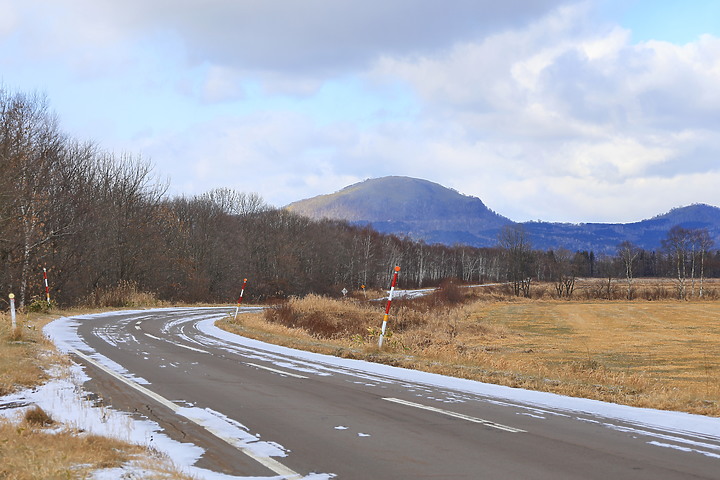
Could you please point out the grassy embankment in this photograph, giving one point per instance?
(37, 447)
(656, 354)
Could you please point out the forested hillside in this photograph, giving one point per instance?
(97, 220)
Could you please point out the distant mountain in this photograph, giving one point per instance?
(409, 206)
(604, 237)
(427, 211)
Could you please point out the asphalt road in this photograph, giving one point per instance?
(262, 411)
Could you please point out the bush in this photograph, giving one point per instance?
(38, 417)
(40, 305)
(321, 317)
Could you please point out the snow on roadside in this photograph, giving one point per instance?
(65, 401)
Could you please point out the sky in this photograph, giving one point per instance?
(554, 110)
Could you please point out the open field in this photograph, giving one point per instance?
(663, 355)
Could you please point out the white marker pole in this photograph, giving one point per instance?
(12, 310)
(242, 291)
(387, 309)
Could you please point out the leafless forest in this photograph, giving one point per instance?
(98, 220)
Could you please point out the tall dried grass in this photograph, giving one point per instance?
(321, 318)
(30, 452)
(124, 294)
(21, 365)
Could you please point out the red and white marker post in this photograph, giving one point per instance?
(242, 291)
(387, 309)
(47, 288)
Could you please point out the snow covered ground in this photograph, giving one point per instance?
(64, 399)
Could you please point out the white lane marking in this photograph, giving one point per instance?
(271, 463)
(282, 372)
(456, 415)
(177, 344)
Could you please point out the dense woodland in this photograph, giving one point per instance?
(96, 220)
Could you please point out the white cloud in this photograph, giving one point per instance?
(583, 108)
(538, 108)
(222, 84)
(316, 37)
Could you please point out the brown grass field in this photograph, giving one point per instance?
(656, 354)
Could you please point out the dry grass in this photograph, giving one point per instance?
(124, 294)
(25, 354)
(652, 354)
(30, 452)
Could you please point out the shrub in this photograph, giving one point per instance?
(321, 317)
(40, 305)
(38, 417)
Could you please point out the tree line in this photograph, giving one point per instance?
(97, 220)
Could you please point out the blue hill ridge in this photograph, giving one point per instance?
(427, 211)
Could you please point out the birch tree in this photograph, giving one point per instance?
(628, 253)
(677, 244)
(30, 150)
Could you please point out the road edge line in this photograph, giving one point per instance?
(270, 463)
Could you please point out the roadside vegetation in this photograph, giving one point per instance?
(645, 353)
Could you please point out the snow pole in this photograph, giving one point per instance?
(12, 310)
(242, 291)
(47, 288)
(387, 308)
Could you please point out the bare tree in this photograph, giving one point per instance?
(628, 253)
(702, 245)
(30, 150)
(677, 244)
(518, 258)
(563, 272)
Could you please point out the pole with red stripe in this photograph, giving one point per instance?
(47, 288)
(242, 291)
(387, 308)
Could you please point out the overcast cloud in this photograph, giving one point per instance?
(548, 110)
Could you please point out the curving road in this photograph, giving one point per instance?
(265, 411)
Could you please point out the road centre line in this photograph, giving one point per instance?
(275, 370)
(177, 344)
(456, 415)
(269, 462)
